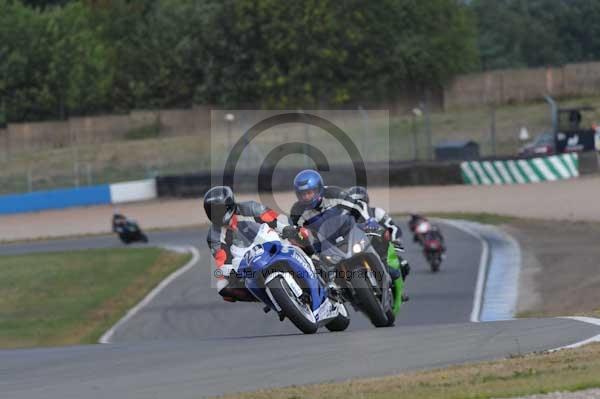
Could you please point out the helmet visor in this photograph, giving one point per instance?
(219, 214)
(308, 196)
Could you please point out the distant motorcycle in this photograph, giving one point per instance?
(430, 238)
(129, 232)
(433, 249)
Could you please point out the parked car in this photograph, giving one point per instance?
(543, 144)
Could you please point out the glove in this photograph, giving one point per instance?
(371, 226)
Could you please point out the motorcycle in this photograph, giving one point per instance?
(380, 239)
(130, 232)
(284, 278)
(421, 228)
(433, 249)
(350, 260)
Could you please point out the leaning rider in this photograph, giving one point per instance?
(381, 216)
(232, 224)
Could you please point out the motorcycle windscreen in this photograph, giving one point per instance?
(333, 232)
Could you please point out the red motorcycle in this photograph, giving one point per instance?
(433, 249)
(430, 238)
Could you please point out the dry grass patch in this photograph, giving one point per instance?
(567, 370)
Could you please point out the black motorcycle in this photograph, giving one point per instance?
(130, 232)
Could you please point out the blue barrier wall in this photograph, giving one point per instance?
(55, 199)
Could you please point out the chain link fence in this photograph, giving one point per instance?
(144, 144)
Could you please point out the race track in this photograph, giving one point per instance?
(187, 343)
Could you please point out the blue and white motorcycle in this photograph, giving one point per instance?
(284, 278)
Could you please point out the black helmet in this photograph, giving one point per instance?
(359, 193)
(219, 205)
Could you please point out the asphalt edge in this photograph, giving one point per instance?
(588, 320)
(107, 336)
(478, 295)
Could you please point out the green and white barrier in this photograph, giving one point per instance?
(521, 171)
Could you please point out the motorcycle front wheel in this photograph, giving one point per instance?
(293, 308)
(369, 303)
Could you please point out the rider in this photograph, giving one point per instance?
(231, 222)
(120, 221)
(421, 226)
(314, 198)
(360, 193)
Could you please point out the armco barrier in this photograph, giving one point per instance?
(54, 199)
(133, 191)
(74, 197)
(521, 171)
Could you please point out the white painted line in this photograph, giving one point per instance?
(589, 320)
(482, 272)
(107, 336)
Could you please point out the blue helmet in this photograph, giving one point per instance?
(308, 185)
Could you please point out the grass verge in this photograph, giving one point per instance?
(68, 298)
(567, 370)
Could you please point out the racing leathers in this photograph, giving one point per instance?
(240, 231)
(334, 197)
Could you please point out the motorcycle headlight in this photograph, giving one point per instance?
(359, 246)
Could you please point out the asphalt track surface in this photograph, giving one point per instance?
(187, 343)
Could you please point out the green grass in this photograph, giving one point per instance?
(73, 297)
(568, 370)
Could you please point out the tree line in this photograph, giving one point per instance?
(60, 58)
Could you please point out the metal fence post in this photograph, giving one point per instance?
(365, 118)
(75, 154)
(493, 129)
(89, 173)
(428, 125)
(29, 179)
(416, 113)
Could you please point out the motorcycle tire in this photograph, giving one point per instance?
(340, 323)
(435, 265)
(368, 303)
(283, 294)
